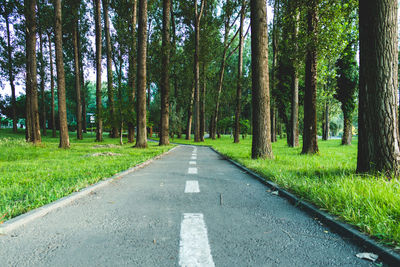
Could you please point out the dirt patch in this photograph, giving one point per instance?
(107, 154)
(106, 146)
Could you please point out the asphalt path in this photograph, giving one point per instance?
(189, 208)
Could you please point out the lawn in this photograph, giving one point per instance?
(32, 176)
(327, 180)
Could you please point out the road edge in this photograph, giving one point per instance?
(31, 215)
(387, 255)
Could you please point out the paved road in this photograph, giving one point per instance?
(225, 218)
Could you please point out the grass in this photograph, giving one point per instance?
(32, 176)
(328, 180)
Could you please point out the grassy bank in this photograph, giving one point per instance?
(329, 181)
(31, 176)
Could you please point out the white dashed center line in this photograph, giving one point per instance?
(194, 249)
(193, 157)
(192, 162)
(192, 170)
(192, 187)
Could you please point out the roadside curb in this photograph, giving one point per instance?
(387, 255)
(25, 218)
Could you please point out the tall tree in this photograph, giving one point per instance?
(32, 111)
(114, 127)
(62, 109)
(378, 142)
(347, 80)
(294, 118)
(164, 136)
(75, 34)
(240, 74)
(6, 12)
(42, 70)
(141, 140)
(53, 113)
(99, 109)
(261, 143)
(132, 70)
(197, 18)
(310, 145)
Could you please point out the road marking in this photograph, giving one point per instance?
(193, 157)
(192, 187)
(194, 249)
(192, 170)
(192, 162)
(194, 154)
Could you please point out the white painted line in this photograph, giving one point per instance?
(194, 154)
(192, 162)
(192, 170)
(192, 187)
(193, 157)
(194, 249)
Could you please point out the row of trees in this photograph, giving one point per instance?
(174, 64)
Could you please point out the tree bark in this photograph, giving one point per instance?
(273, 122)
(33, 131)
(261, 143)
(164, 138)
(77, 72)
(110, 91)
(53, 113)
(294, 122)
(132, 72)
(190, 116)
(197, 18)
(141, 140)
(203, 105)
(378, 143)
(325, 135)
(83, 87)
(62, 107)
(310, 145)
(347, 129)
(99, 109)
(239, 77)
(42, 75)
(11, 76)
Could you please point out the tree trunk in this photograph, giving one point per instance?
(378, 143)
(99, 109)
(197, 16)
(190, 116)
(62, 106)
(294, 122)
(114, 127)
(261, 143)
(203, 105)
(310, 145)
(42, 75)
(31, 73)
(164, 138)
(325, 135)
(132, 73)
(347, 129)
(53, 113)
(141, 140)
(11, 76)
(77, 73)
(273, 122)
(83, 87)
(239, 77)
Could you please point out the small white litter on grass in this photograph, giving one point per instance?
(367, 256)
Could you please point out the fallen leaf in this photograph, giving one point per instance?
(367, 256)
(326, 232)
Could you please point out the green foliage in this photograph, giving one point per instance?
(347, 79)
(32, 176)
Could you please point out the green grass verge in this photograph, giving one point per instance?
(327, 180)
(32, 176)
